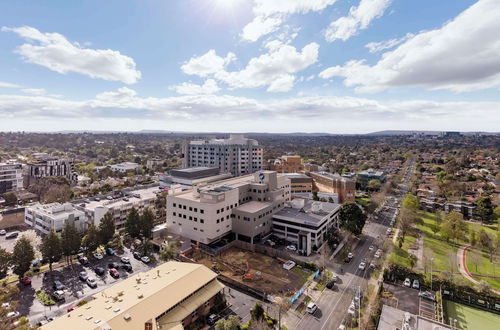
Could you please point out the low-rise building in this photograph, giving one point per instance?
(11, 177)
(370, 174)
(207, 214)
(153, 162)
(53, 217)
(392, 318)
(171, 296)
(124, 167)
(49, 166)
(336, 184)
(306, 223)
(300, 183)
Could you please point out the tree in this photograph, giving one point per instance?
(70, 240)
(473, 238)
(231, 323)
(486, 242)
(5, 262)
(33, 238)
(496, 213)
(257, 312)
(51, 248)
(91, 240)
(147, 223)
(407, 219)
(374, 185)
(169, 252)
(10, 198)
(454, 226)
(22, 256)
(484, 209)
(352, 218)
(315, 196)
(412, 259)
(411, 202)
(132, 226)
(401, 240)
(106, 228)
(475, 258)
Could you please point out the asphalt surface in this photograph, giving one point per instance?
(333, 305)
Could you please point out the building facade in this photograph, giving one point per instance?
(53, 217)
(11, 177)
(125, 167)
(47, 167)
(286, 164)
(236, 155)
(243, 206)
(171, 296)
(326, 182)
(370, 174)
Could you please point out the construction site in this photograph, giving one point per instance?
(262, 273)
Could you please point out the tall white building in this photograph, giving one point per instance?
(236, 155)
(11, 177)
(46, 217)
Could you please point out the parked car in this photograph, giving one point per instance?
(331, 284)
(91, 282)
(271, 243)
(371, 248)
(416, 284)
(127, 267)
(137, 255)
(311, 307)
(110, 251)
(125, 260)
(291, 247)
(3, 232)
(25, 280)
(407, 282)
(98, 256)
(57, 285)
(83, 276)
(58, 295)
(12, 235)
(145, 259)
(113, 265)
(362, 266)
(352, 309)
(289, 265)
(350, 255)
(13, 314)
(427, 295)
(335, 278)
(377, 254)
(84, 261)
(212, 319)
(99, 270)
(113, 272)
(72, 308)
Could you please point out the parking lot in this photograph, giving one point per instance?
(407, 298)
(427, 309)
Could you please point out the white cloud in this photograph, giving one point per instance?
(462, 55)
(269, 15)
(208, 87)
(358, 19)
(259, 27)
(34, 91)
(207, 63)
(274, 69)
(55, 52)
(8, 85)
(375, 47)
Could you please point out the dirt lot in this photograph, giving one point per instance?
(268, 273)
(11, 220)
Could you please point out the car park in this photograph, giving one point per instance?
(416, 284)
(99, 270)
(57, 285)
(145, 259)
(113, 265)
(98, 256)
(114, 273)
(427, 295)
(83, 276)
(125, 260)
(91, 282)
(311, 307)
(407, 282)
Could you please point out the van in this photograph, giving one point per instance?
(311, 308)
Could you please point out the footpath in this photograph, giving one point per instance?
(462, 266)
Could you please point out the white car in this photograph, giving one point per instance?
(350, 255)
(407, 282)
(12, 314)
(98, 256)
(291, 247)
(289, 265)
(371, 248)
(416, 284)
(145, 259)
(362, 266)
(92, 282)
(377, 254)
(3, 232)
(352, 309)
(125, 260)
(311, 308)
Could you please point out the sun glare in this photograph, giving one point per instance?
(227, 3)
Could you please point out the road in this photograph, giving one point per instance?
(333, 305)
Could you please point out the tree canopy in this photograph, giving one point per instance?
(352, 218)
(51, 248)
(132, 226)
(22, 256)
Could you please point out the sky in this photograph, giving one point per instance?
(333, 66)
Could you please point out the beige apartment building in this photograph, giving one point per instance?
(243, 206)
(336, 184)
(170, 296)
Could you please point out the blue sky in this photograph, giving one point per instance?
(338, 66)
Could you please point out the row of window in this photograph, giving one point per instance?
(183, 216)
(190, 208)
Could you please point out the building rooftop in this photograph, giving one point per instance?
(392, 319)
(297, 176)
(253, 206)
(54, 210)
(132, 302)
(146, 193)
(307, 212)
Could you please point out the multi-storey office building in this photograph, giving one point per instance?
(53, 217)
(370, 174)
(236, 155)
(49, 166)
(243, 205)
(11, 177)
(119, 207)
(171, 296)
(336, 184)
(286, 164)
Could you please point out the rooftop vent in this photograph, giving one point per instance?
(116, 310)
(140, 296)
(88, 318)
(127, 317)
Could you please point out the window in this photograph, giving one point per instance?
(190, 218)
(174, 205)
(190, 208)
(202, 211)
(173, 213)
(202, 221)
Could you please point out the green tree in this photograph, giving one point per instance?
(486, 242)
(91, 240)
(51, 248)
(412, 259)
(484, 209)
(496, 213)
(315, 196)
(70, 240)
(133, 226)
(454, 226)
(352, 218)
(257, 312)
(10, 198)
(5, 262)
(106, 228)
(169, 252)
(147, 223)
(473, 238)
(22, 256)
(374, 185)
(231, 323)
(407, 219)
(411, 202)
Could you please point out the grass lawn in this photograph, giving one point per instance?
(304, 273)
(363, 201)
(485, 267)
(470, 318)
(401, 256)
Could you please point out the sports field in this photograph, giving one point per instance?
(469, 318)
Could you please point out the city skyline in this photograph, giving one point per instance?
(340, 66)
